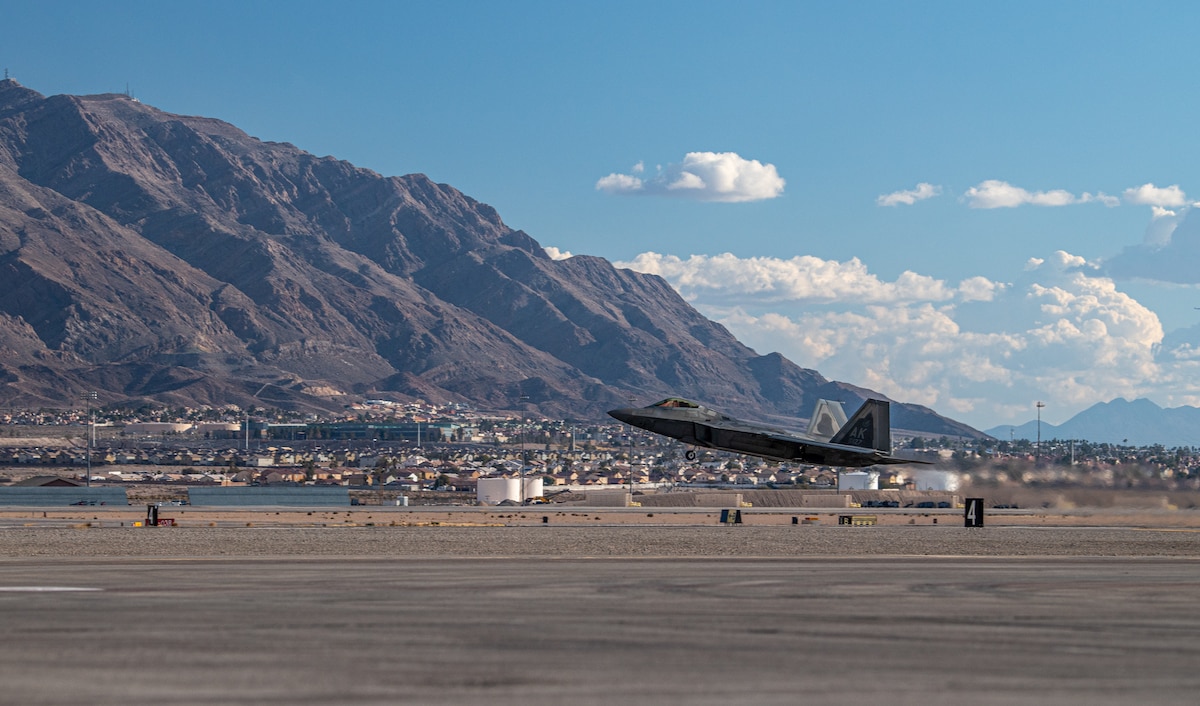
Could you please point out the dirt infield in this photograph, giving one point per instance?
(582, 532)
(553, 514)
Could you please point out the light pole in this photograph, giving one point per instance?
(90, 397)
(524, 461)
(524, 451)
(631, 457)
(1037, 457)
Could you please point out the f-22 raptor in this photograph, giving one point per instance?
(865, 440)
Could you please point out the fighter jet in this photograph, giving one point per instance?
(865, 440)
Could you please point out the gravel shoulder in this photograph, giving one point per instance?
(572, 532)
(606, 541)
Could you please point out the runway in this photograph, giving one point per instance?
(386, 628)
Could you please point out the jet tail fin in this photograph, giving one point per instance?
(827, 417)
(869, 428)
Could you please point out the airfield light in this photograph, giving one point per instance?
(1037, 457)
(91, 429)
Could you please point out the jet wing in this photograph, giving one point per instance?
(779, 446)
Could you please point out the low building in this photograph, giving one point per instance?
(47, 482)
(156, 428)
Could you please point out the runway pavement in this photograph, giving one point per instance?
(386, 623)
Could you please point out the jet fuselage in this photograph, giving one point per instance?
(865, 440)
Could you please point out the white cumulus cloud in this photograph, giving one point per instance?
(728, 278)
(1161, 197)
(1169, 251)
(978, 350)
(1100, 197)
(620, 183)
(995, 193)
(702, 176)
(556, 254)
(910, 196)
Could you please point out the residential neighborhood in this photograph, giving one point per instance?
(421, 447)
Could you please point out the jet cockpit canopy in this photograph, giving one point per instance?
(676, 403)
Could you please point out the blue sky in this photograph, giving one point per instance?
(1050, 260)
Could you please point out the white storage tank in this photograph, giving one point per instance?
(493, 491)
(858, 480)
(533, 488)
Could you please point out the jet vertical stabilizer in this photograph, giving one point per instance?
(827, 417)
(869, 428)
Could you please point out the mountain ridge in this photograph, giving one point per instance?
(179, 259)
(1139, 422)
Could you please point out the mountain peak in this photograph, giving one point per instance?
(14, 96)
(1140, 422)
(179, 259)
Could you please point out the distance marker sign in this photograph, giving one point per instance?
(973, 514)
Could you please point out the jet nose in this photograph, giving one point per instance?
(624, 414)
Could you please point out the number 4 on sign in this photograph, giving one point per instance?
(973, 515)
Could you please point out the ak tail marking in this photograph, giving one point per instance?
(869, 428)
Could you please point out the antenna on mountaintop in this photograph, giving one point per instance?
(5, 73)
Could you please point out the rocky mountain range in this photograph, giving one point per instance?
(1126, 423)
(152, 256)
